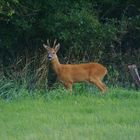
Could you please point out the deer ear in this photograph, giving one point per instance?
(46, 47)
(57, 47)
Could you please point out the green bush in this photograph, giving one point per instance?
(103, 31)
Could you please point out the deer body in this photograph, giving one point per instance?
(72, 73)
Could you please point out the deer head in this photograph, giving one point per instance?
(52, 50)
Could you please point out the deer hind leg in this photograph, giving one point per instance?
(103, 85)
(98, 83)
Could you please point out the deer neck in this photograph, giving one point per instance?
(56, 65)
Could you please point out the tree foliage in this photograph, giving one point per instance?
(107, 31)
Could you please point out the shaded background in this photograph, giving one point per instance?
(104, 31)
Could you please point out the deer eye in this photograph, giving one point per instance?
(53, 52)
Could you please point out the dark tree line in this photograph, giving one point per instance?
(106, 31)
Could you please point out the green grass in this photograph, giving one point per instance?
(82, 116)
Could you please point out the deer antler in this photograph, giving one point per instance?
(54, 43)
(48, 43)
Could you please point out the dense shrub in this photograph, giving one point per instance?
(105, 31)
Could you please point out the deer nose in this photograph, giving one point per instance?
(49, 57)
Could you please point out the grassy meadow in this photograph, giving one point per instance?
(81, 116)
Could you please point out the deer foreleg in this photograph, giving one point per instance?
(68, 86)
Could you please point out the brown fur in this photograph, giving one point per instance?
(72, 73)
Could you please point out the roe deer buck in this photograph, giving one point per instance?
(71, 73)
